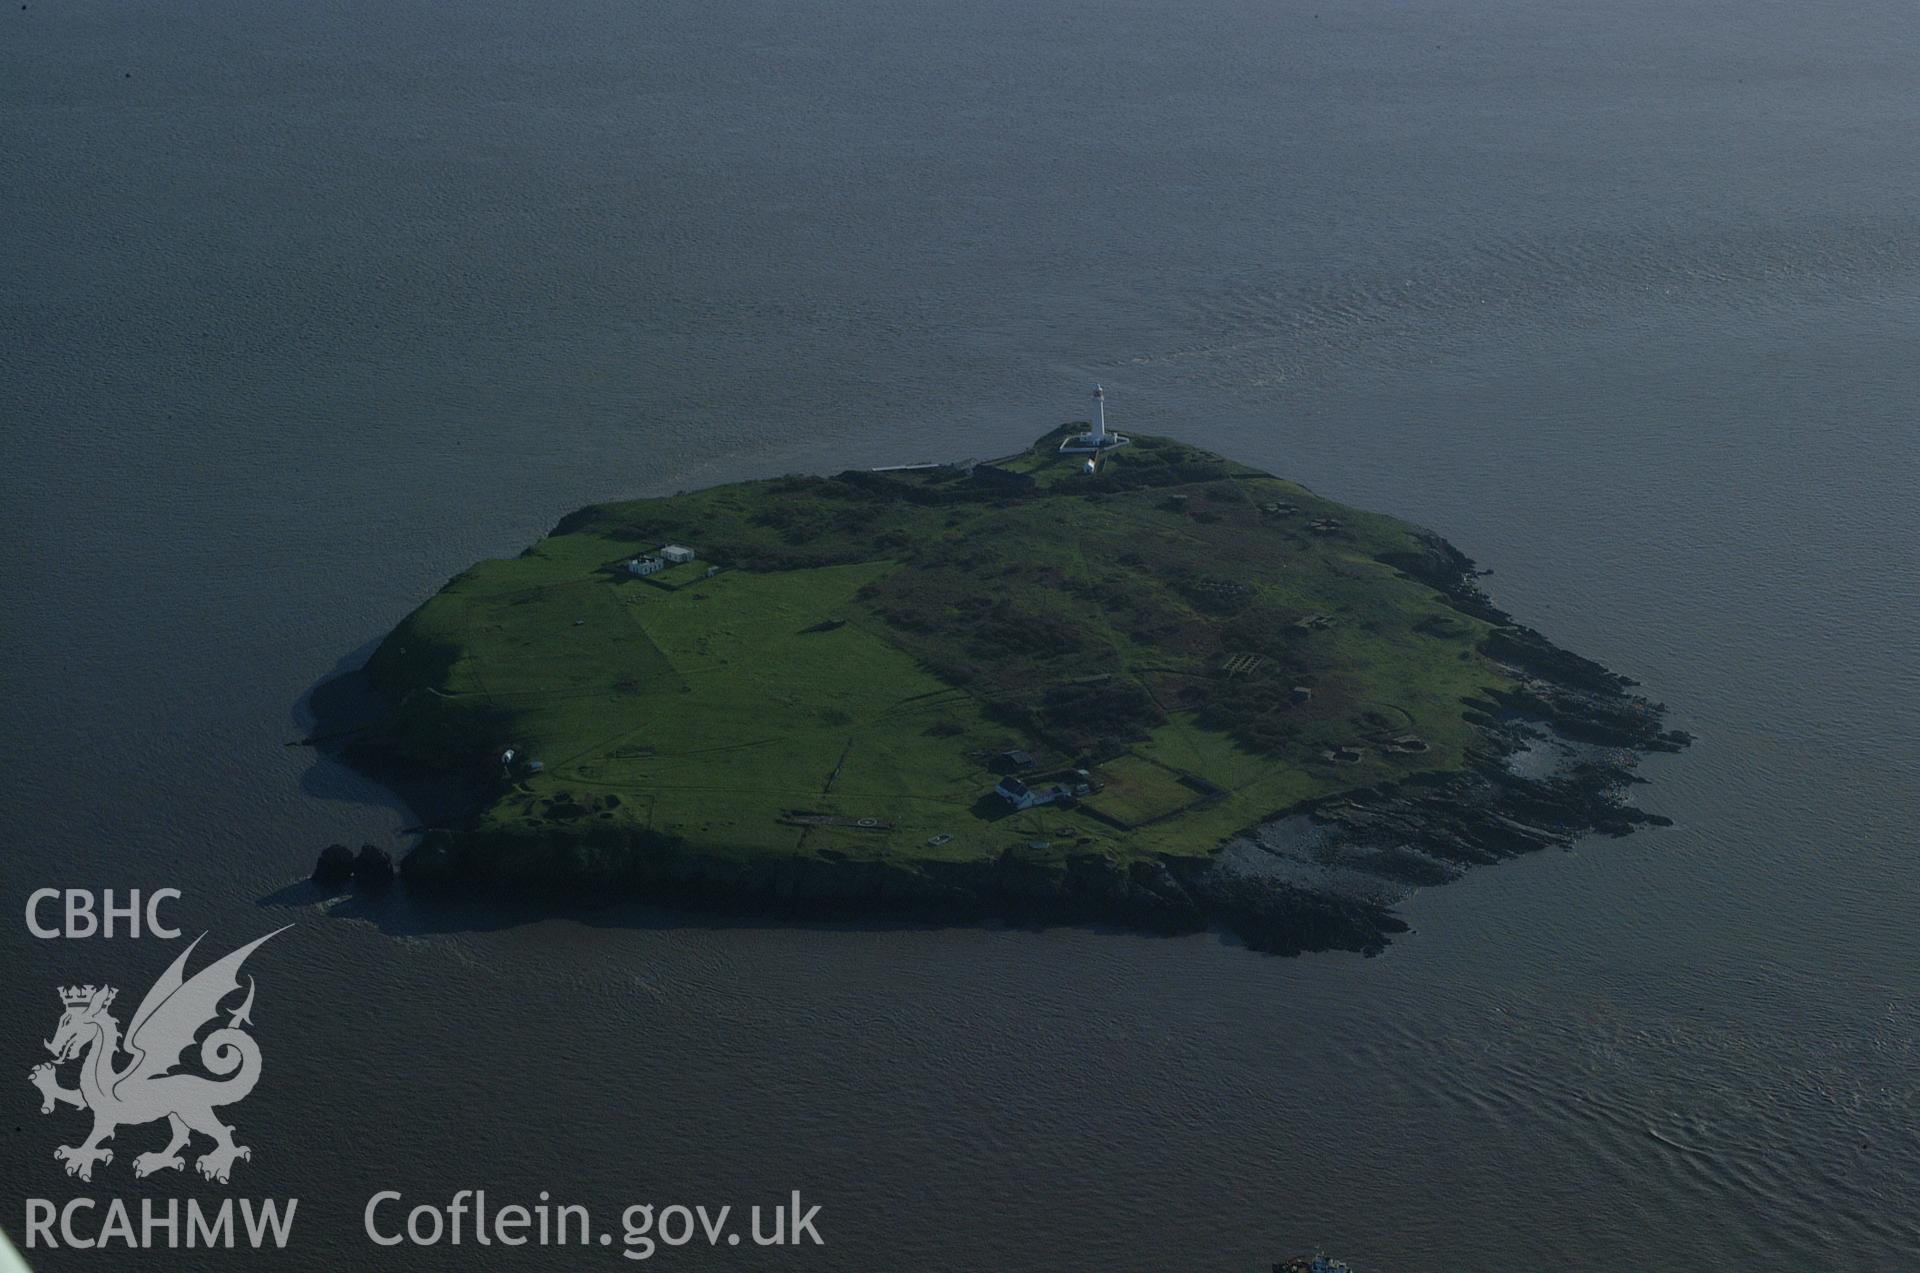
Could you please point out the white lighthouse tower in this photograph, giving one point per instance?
(1096, 439)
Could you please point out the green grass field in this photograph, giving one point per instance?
(1135, 790)
(871, 643)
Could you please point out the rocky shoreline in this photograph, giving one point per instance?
(1556, 761)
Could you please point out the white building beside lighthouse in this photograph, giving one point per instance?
(1096, 439)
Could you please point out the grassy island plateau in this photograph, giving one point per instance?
(1148, 687)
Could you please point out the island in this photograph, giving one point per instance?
(1119, 681)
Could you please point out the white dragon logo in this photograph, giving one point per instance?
(146, 1089)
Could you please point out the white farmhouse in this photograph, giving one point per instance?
(1021, 796)
(645, 566)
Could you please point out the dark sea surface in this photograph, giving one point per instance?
(304, 308)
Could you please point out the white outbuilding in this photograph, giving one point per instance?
(1021, 796)
(677, 554)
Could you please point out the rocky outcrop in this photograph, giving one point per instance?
(371, 867)
(335, 865)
